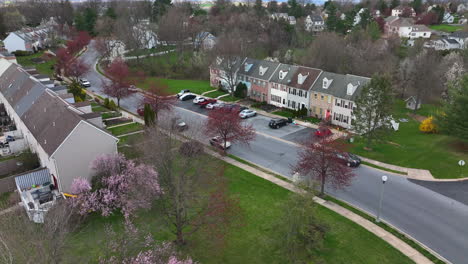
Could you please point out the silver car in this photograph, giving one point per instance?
(247, 113)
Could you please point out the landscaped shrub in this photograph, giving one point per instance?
(112, 105)
(21, 53)
(428, 125)
(106, 102)
(241, 90)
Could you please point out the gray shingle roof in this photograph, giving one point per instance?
(46, 116)
(338, 86)
(287, 71)
(316, 18)
(263, 70)
(459, 34)
(308, 76)
(248, 66)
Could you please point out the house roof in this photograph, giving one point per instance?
(90, 115)
(248, 66)
(459, 34)
(263, 69)
(420, 28)
(451, 41)
(402, 7)
(316, 18)
(49, 118)
(59, 88)
(284, 74)
(305, 77)
(339, 84)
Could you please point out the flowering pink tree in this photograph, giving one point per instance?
(119, 85)
(118, 185)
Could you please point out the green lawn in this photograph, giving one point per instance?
(283, 113)
(230, 98)
(260, 201)
(120, 130)
(140, 52)
(288, 113)
(110, 115)
(446, 28)
(410, 148)
(43, 68)
(195, 86)
(215, 94)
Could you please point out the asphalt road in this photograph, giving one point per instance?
(436, 214)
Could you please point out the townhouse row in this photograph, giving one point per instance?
(324, 94)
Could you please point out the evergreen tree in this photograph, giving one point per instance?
(374, 108)
(2, 26)
(417, 6)
(295, 9)
(159, 8)
(86, 21)
(394, 3)
(272, 6)
(366, 18)
(453, 120)
(258, 7)
(382, 6)
(373, 30)
(148, 115)
(110, 12)
(332, 19)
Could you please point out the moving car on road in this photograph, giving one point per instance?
(219, 142)
(247, 113)
(187, 96)
(323, 132)
(278, 122)
(85, 83)
(349, 159)
(182, 92)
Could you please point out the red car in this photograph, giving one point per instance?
(206, 101)
(141, 111)
(324, 132)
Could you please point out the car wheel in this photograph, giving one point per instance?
(276, 126)
(348, 164)
(255, 114)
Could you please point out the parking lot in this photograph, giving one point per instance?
(291, 132)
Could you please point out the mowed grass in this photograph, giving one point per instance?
(446, 28)
(141, 52)
(174, 86)
(260, 201)
(215, 94)
(43, 68)
(408, 147)
(120, 130)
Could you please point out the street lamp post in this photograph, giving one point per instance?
(384, 180)
(461, 163)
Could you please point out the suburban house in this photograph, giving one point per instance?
(245, 71)
(279, 84)
(64, 136)
(400, 10)
(299, 88)
(223, 71)
(420, 31)
(259, 78)
(314, 23)
(461, 37)
(398, 25)
(462, 8)
(448, 18)
(443, 44)
(290, 19)
(145, 35)
(205, 40)
(321, 95)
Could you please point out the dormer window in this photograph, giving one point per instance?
(301, 78)
(262, 70)
(326, 83)
(247, 66)
(282, 74)
(350, 89)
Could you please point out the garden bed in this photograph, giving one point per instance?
(117, 121)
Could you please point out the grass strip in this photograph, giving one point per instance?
(382, 168)
(389, 229)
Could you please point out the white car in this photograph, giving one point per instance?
(247, 113)
(187, 96)
(216, 106)
(85, 83)
(219, 142)
(198, 99)
(182, 92)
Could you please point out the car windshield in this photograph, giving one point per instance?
(354, 157)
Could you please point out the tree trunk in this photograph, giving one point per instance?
(322, 187)
(118, 101)
(180, 237)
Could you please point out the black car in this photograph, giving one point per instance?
(277, 123)
(242, 108)
(349, 159)
(187, 97)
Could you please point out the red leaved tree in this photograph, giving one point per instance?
(63, 60)
(76, 69)
(226, 124)
(159, 98)
(118, 86)
(83, 39)
(318, 160)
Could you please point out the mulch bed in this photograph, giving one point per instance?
(117, 121)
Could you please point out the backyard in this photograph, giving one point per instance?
(408, 147)
(446, 28)
(43, 68)
(174, 86)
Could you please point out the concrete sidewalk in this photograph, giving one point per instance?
(397, 243)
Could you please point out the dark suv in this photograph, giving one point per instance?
(349, 159)
(277, 123)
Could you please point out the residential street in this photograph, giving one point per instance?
(420, 209)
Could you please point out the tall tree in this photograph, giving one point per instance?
(332, 20)
(258, 7)
(394, 3)
(158, 99)
(13, 20)
(373, 30)
(119, 85)
(427, 84)
(272, 6)
(299, 232)
(226, 124)
(366, 18)
(159, 9)
(417, 5)
(76, 69)
(453, 119)
(374, 108)
(2, 25)
(319, 161)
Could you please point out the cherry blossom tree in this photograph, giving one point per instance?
(76, 69)
(226, 124)
(63, 60)
(318, 160)
(118, 185)
(119, 85)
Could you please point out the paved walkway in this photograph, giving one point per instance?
(148, 55)
(210, 91)
(131, 133)
(397, 243)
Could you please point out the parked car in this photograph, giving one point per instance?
(232, 107)
(324, 132)
(85, 83)
(242, 108)
(198, 99)
(278, 122)
(206, 102)
(182, 92)
(216, 105)
(247, 113)
(141, 111)
(349, 159)
(132, 89)
(187, 96)
(219, 142)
